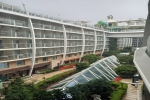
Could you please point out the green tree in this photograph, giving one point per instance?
(113, 44)
(126, 70)
(81, 66)
(126, 60)
(127, 49)
(84, 91)
(91, 58)
(17, 90)
(101, 24)
(110, 53)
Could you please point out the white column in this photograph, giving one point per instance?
(65, 44)
(33, 41)
(104, 42)
(95, 41)
(83, 42)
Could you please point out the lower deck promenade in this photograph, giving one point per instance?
(40, 77)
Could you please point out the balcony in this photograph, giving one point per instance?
(88, 33)
(13, 22)
(73, 30)
(75, 37)
(126, 30)
(12, 45)
(87, 25)
(72, 22)
(51, 27)
(74, 44)
(50, 45)
(14, 34)
(50, 36)
(49, 53)
(13, 57)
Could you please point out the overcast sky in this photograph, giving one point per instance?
(87, 10)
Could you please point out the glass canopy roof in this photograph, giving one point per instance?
(100, 69)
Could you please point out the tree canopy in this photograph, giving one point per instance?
(18, 90)
(126, 60)
(91, 58)
(81, 66)
(126, 70)
(83, 91)
(110, 53)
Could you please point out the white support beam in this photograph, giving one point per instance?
(33, 41)
(83, 42)
(65, 44)
(95, 41)
(104, 36)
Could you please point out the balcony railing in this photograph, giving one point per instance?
(74, 37)
(49, 36)
(14, 34)
(12, 45)
(13, 57)
(126, 30)
(49, 44)
(72, 22)
(51, 27)
(73, 30)
(13, 22)
(49, 53)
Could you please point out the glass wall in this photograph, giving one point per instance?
(4, 65)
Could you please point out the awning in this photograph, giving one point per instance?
(16, 69)
(13, 70)
(41, 64)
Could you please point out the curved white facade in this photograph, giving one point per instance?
(48, 41)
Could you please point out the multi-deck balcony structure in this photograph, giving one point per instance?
(30, 40)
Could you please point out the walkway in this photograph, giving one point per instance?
(131, 93)
(39, 77)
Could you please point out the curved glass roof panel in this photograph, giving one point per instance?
(89, 75)
(94, 70)
(71, 84)
(81, 79)
(100, 69)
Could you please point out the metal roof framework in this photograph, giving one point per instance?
(100, 69)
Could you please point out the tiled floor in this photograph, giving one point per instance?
(131, 93)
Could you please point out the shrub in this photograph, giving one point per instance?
(44, 84)
(81, 66)
(47, 71)
(119, 91)
(126, 71)
(84, 91)
(91, 58)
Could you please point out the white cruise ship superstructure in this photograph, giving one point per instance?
(30, 42)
